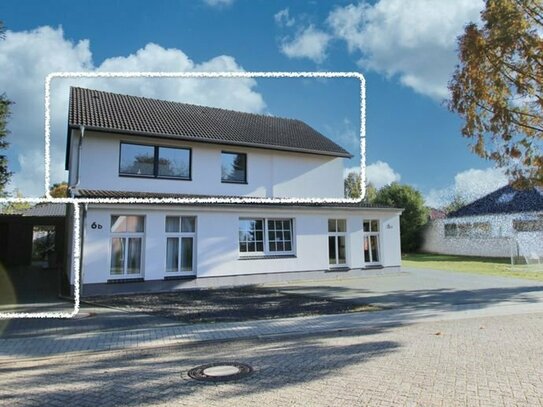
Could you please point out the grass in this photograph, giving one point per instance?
(468, 264)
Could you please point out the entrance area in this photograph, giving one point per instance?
(32, 257)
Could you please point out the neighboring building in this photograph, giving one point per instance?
(503, 223)
(122, 146)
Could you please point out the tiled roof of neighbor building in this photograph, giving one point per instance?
(47, 210)
(87, 193)
(504, 200)
(159, 118)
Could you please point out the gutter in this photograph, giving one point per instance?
(79, 149)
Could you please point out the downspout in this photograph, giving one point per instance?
(81, 246)
(79, 149)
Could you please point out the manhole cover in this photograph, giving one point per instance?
(220, 372)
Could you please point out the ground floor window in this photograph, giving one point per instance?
(266, 236)
(126, 245)
(337, 237)
(180, 244)
(371, 241)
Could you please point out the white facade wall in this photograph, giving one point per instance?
(498, 244)
(270, 173)
(217, 252)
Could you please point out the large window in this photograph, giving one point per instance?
(371, 242)
(337, 235)
(476, 229)
(154, 161)
(266, 236)
(234, 167)
(533, 225)
(180, 247)
(126, 245)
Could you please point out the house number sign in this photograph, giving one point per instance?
(95, 225)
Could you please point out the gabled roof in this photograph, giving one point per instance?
(116, 113)
(504, 200)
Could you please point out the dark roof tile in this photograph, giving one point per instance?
(159, 118)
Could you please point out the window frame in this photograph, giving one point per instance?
(125, 236)
(179, 235)
(266, 252)
(369, 234)
(156, 155)
(246, 177)
(336, 235)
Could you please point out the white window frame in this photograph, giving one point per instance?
(265, 239)
(336, 236)
(179, 235)
(125, 236)
(368, 235)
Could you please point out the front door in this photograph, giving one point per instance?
(372, 255)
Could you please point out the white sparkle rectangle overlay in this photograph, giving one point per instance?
(214, 75)
(75, 259)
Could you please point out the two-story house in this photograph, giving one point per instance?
(121, 146)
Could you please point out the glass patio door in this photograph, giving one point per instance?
(371, 242)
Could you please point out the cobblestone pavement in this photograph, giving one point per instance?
(483, 361)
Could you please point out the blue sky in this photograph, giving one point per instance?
(405, 50)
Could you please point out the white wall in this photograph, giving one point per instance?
(269, 173)
(497, 244)
(217, 240)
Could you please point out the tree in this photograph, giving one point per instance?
(351, 185)
(13, 208)
(498, 87)
(457, 203)
(414, 216)
(5, 174)
(352, 188)
(59, 190)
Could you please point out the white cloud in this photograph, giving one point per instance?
(380, 174)
(218, 3)
(27, 57)
(469, 185)
(308, 43)
(283, 18)
(414, 40)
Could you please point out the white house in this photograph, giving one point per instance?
(503, 223)
(121, 146)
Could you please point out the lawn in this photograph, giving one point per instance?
(468, 264)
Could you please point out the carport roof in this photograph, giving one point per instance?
(46, 210)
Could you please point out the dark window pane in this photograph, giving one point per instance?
(280, 247)
(374, 248)
(331, 250)
(251, 246)
(367, 249)
(242, 246)
(172, 254)
(186, 253)
(117, 256)
(134, 256)
(259, 246)
(375, 226)
(341, 249)
(366, 226)
(172, 224)
(341, 225)
(137, 160)
(331, 225)
(233, 167)
(173, 162)
(188, 224)
(288, 246)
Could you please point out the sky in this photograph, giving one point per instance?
(405, 50)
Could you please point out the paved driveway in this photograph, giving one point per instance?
(426, 289)
(490, 361)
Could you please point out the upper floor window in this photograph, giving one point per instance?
(154, 161)
(234, 167)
